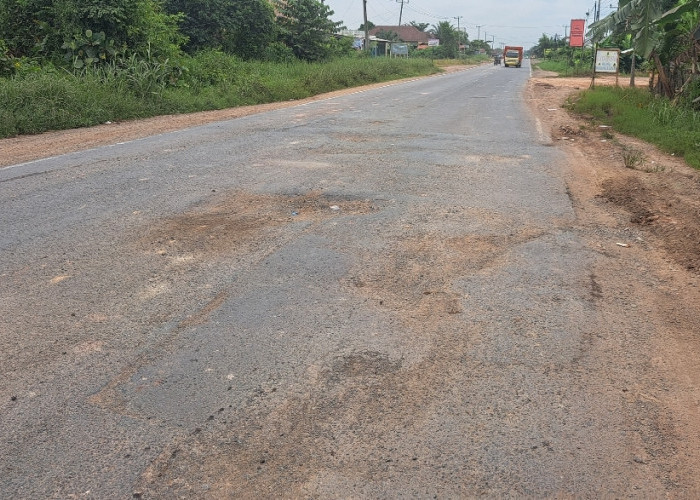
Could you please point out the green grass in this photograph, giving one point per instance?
(466, 60)
(636, 112)
(38, 102)
(564, 67)
(53, 99)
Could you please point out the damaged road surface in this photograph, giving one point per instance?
(389, 293)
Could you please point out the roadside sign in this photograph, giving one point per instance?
(578, 27)
(607, 61)
(399, 49)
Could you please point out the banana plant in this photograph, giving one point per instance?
(677, 13)
(636, 17)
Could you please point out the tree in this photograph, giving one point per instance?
(388, 35)
(370, 25)
(305, 26)
(449, 38)
(242, 27)
(478, 46)
(419, 26)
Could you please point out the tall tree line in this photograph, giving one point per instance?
(97, 30)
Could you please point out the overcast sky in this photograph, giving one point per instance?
(504, 21)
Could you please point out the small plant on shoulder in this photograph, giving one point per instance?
(633, 158)
(663, 112)
(653, 168)
(607, 135)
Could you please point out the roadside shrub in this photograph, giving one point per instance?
(438, 52)
(7, 66)
(42, 27)
(279, 53)
(11, 65)
(88, 48)
(210, 67)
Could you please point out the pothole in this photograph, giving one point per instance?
(235, 221)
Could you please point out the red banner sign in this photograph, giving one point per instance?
(578, 28)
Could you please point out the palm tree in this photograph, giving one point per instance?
(448, 37)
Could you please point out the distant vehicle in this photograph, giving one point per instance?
(512, 56)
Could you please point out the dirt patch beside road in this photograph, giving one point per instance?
(646, 218)
(661, 192)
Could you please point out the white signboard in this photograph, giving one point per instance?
(399, 49)
(607, 61)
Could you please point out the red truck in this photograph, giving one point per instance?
(512, 56)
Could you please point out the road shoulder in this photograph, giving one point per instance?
(644, 223)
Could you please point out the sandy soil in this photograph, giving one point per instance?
(656, 205)
(661, 192)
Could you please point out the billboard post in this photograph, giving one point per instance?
(577, 36)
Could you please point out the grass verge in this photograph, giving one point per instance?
(563, 67)
(463, 60)
(636, 112)
(51, 99)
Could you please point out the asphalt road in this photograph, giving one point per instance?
(379, 294)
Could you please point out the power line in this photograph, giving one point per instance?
(427, 14)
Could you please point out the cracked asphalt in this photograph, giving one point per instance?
(383, 294)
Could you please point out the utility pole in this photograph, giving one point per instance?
(596, 18)
(401, 11)
(459, 33)
(478, 31)
(493, 39)
(364, 7)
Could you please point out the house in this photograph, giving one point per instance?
(378, 46)
(409, 34)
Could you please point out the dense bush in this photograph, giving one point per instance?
(33, 28)
(244, 27)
